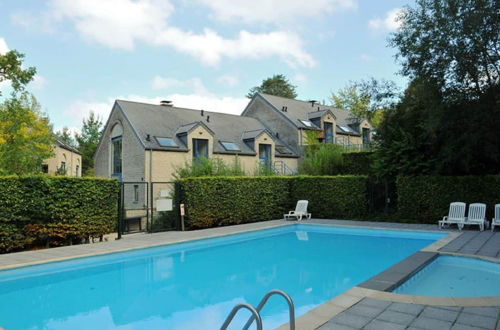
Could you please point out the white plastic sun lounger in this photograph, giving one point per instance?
(300, 211)
(496, 220)
(456, 215)
(477, 215)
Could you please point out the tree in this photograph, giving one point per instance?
(367, 98)
(88, 141)
(276, 85)
(64, 135)
(25, 136)
(453, 43)
(11, 70)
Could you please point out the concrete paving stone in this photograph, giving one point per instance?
(412, 309)
(383, 325)
(485, 311)
(439, 314)
(450, 308)
(352, 320)
(365, 310)
(431, 324)
(458, 326)
(477, 320)
(377, 303)
(396, 317)
(335, 326)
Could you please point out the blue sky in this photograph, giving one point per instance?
(203, 54)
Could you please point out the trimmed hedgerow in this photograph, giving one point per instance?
(332, 197)
(217, 201)
(52, 211)
(425, 199)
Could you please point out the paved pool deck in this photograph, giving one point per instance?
(345, 311)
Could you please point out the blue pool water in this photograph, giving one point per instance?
(195, 285)
(449, 276)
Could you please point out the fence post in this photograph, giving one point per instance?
(120, 211)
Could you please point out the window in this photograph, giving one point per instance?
(366, 135)
(166, 142)
(117, 156)
(328, 132)
(283, 150)
(307, 123)
(230, 146)
(345, 129)
(200, 148)
(265, 154)
(136, 193)
(45, 168)
(77, 170)
(63, 166)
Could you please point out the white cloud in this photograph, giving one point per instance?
(3, 46)
(38, 82)
(228, 80)
(389, 23)
(78, 110)
(366, 57)
(300, 79)
(195, 84)
(273, 11)
(121, 24)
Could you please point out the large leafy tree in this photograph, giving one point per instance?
(88, 140)
(367, 98)
(276, 85)
(455, 44)
(447, 122)
(25, 136)
(64, 135)
(11, 70)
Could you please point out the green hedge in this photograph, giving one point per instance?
(332, 197)
(46, 210)
(357, 163)
(425, 199)
(217, 201)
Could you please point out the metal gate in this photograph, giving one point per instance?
(147, 207)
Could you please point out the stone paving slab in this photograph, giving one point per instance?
(386, 315)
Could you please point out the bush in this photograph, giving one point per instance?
(218, 201)
(51, 211)
(357, 163)
(209, 167)
(322, 159)
(425, 199)
(341, 197)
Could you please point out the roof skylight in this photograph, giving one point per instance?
(166, 142)
(230, 146)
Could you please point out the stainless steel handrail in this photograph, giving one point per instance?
(291, 308)
(255, 315)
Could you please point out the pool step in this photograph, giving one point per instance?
(256, 311)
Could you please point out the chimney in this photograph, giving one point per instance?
(202, 112)
(312, 102)
(208, 119)
(148, 137)
(166, 103)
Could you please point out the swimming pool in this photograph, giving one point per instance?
(194, 285)
(449, 276)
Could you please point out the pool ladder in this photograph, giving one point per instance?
(256, 311)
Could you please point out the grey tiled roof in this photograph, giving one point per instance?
(297, 110)
(167, 121)
(63, 145)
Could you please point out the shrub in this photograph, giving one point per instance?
(48, 210)
(323, 159)
(217, 201)
(209, 167)
(426, 199)
(341, 197)
(357, 163)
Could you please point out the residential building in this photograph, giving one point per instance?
(67, 160)
(293, 120)
(147, 142)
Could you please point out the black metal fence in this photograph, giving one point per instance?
(147, 207)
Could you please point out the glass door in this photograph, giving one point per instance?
(200, 148)
(265, 154)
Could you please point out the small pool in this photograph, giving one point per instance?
(449, 276)
(194, 285)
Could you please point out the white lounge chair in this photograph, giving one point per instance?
(456, 215)
(477, 215)
(300, 211)
(496, 220)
